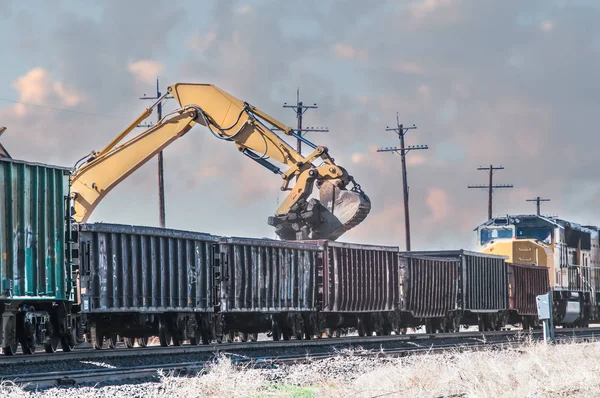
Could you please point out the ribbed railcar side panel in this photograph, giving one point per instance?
(35, 262)
(143, 269)
(264, 275)
(526, 283)
(359, 278)
(484, 279)
(429, 286)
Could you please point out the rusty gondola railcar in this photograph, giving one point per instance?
(526, 282)
(429, 292)
(138, 282)
(268, 286)
(483, 287)
(360, 287)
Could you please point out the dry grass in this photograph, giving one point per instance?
(535, 370)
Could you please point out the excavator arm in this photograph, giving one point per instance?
(299, 217)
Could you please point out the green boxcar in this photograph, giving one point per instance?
(35, 260)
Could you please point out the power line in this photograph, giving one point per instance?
(490, 187)
(538, 200)
(402, 151)
(61, 109)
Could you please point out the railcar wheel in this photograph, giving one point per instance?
(163, 333)
(276, 331)
(205, 338)
(230, 336)
(28, 347)
(243, 337)
(112, 341)
(386, 330)
(67, 342)
(51, 346)
(143, 342)
(196, 339)
(10, 349)
(28, 338)
(97, 338)
(176, 340)
(253, 336)
(362, 327)
(481, 323)
(129, 342)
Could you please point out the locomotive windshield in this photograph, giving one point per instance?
(496, 233)
(540, 233)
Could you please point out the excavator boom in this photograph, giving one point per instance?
(299, 217)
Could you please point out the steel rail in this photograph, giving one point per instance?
(48, 379)
(270, 344)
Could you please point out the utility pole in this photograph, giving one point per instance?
(538, 200)
(300, 109)
(161, 183)
(402, 151)
(490, 187)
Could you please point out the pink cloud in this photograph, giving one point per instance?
(408, 67)
(38, 87)
(201, 43)
(547, 26)
(422, 8)
(432, 13)
(414, 159)
(424, 91)
(357, 158)
(386, 221)
(146, 70)
(438, 204)
(208, 172)
(364, 100)
(346, 51)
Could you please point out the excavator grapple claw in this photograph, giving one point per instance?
(337, 211)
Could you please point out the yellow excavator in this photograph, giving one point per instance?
(299, 217)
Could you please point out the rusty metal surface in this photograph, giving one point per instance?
(263, 275)
(428, 285)
(34, 262)
(483, 279)
(130, 268)
(359, 278)
(526, 283)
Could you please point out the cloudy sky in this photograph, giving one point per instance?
(508, 83)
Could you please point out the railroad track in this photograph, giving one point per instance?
(252, 354)
(88, 353)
